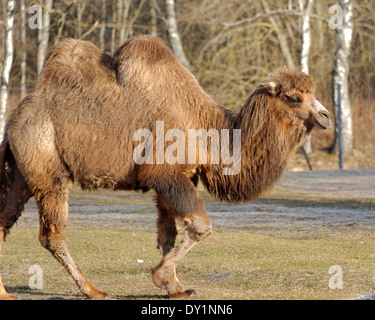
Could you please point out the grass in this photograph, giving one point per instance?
(257, 262)
(244, 265)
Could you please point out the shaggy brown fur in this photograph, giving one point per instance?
(79, 121)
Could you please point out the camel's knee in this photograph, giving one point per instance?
(52, 227)
(199, 226)
(53, 241)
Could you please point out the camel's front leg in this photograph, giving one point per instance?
(198, 226)
(168, 228)
(177, 201)
(168, 225)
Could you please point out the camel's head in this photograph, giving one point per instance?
(296, 94)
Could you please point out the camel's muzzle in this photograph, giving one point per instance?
(321, 118)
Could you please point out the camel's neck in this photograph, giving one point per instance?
(267, 142)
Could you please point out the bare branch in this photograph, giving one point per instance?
(92, 29)
(283, 41)
(277, 12)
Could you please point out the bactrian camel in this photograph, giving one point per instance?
(78, 124)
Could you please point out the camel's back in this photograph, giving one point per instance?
(160, 86)
(75, 62)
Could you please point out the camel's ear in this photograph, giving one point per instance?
(272, 88)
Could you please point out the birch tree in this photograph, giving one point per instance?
(43, 36)
(173, 34)
(340, 75)
(23, 49)
(305, 8)
(7, 62)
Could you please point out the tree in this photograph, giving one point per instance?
(173, 34)
(7, 62)
(305, 8)
(23, 52)
(127, 18)
(103, 26)
(283, 41)
(340, 76)
(43, 36)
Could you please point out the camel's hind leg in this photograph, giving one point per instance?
(12, 204)
(178, 202)
(53, 210)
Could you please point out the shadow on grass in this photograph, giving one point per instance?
(25, 290)
(143, 297)
(20, 290)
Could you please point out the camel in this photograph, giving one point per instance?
(78, 125)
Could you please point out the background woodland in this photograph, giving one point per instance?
(229, 45)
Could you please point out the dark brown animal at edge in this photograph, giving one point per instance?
(78, 125)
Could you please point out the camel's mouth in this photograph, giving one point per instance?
(323, 122)
(321, 119)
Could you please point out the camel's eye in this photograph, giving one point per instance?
(295, 100)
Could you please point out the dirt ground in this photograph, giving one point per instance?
(301, 201)
(304, 205)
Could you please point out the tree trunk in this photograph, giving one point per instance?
(305, 8)
(127, 20)
(7, 62)
(124, 7)
(305, 34)
(154, 20)
(43, 36)
(174, 36)
(81, 6)
(23, 51)
(340, 76)
(103, 26)
(114, 27)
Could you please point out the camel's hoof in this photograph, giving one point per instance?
(7, 296)
(97, 295)
(183, 294)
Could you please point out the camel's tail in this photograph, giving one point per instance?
(7, 163)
